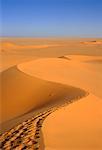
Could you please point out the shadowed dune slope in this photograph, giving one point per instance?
(22, 93)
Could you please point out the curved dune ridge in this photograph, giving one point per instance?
(78, 130)
(52, 95)
(64, 71)
(45, 84)
(25, 95)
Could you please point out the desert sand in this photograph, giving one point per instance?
(89, 121)
(12, 53)
(39, 80)
(77, 126)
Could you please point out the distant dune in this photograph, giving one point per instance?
(94, 42)
(9, 45)
(18, 50)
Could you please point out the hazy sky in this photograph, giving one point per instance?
(52, 18)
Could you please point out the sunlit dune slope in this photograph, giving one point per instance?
(84, 58)
(64, 71)
(77, 126)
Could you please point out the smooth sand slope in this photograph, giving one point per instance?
(77, 126)
(76, 73)
(80, 125)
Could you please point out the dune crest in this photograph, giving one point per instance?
(52, 97)
(65, 72)
(78, 73)
(29, 98)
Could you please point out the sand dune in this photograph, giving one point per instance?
(40, 90)
(66, 72)
(79, 126)
(8, 45)
(12, 51)
(94, 42)
(84, 58)
(22, 91)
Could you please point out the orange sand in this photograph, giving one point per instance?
(31, 83)
(78, 126)
(64, 71)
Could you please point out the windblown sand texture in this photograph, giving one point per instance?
(39, 79)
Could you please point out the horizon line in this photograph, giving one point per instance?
(50, 37)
